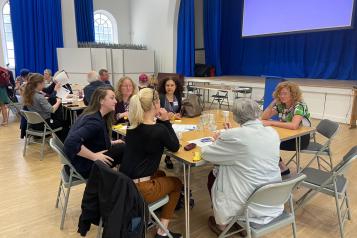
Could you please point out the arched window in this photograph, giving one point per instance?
(105, 27)
(8, 41)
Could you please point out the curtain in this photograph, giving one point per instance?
(84, 20)
(185, 63)
(212, 33)
(324, 55)
(37, 33)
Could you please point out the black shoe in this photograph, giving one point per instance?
(174, 235)
(285, 173)
(169, 163)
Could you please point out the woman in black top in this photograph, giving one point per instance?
(125, 89)
(145, 140)
(89, 137)
(171, 90)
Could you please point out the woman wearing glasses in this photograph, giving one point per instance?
(149, 133)
(292, 113)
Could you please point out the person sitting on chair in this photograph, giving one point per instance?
(293, 113)
(90, 136)
(171, 90)
(94, 83)
(145, 140)
(125, 90)
(242, 167)
(35, 101)
(104, 76)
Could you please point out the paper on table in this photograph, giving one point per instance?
(183, 127)
(62, 93)
(61, 78)
(201, 142)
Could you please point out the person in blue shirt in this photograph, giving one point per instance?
(89, 139)
(94, 83)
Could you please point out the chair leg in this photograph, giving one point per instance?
(25, 145)
(42, 146)
(331, 164)
(318, 162)
(158, 222)
(211, 104)
(59, 193)
(340, 222)
(65, 206)
(294, 228)
(348, 206)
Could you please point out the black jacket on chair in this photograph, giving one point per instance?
(114, 197)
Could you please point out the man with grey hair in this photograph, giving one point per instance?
(246, 157)
(94, 83)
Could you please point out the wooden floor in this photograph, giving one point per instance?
(28, 190)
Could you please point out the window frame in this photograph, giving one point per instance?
(3, 37)
(113, 21)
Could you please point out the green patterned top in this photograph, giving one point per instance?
(287, 114)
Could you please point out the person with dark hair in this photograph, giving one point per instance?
(90, 136)
(35, 101)
(104, 76)
(171, 90)
(21, 80)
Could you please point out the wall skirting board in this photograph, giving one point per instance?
(324, 101)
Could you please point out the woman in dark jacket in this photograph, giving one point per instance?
(125, 89)
(89, 137)
(171, 90)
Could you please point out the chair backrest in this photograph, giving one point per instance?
(57, 145)
(274, 194)
(33, 117)
(341, 167)
(270, 84)
(327, 128)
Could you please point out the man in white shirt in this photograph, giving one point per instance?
(247, 157)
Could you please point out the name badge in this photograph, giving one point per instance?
(175, 103)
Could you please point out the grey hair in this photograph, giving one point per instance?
(48, 71)
(245, 109)
(92, 76)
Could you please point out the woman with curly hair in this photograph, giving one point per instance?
(126, 88)
(292, 112)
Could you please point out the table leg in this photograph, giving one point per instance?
(186, 179)
(297, 142)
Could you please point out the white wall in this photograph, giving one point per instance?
(69, 24)
(154, 23)
(120, 9)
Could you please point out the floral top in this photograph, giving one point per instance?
(287, 114)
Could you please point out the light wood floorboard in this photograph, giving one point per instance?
(28, 189)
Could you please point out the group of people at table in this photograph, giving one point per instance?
(239, 166)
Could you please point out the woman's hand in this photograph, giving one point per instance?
(58, 100)
(227, 125)
(57, 87)
(178, 116)
(163, 115)
(122, 115)
(216, 135)
(102, 157)
(266, 122)
(115, 142)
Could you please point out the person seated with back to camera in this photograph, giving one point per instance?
(94, 83)
(241, 168)
(89, 138)
(126, 88)
(293, 113)
(35, 101)
(145, 141)
(171, 91)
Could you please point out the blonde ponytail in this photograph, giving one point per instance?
(140, 103)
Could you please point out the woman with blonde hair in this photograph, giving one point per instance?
(292, 112)
(149, 133)
(125, 89)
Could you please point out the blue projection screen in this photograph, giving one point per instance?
(267, 17)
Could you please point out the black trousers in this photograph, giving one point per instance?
(54, 124)
(290, 145)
